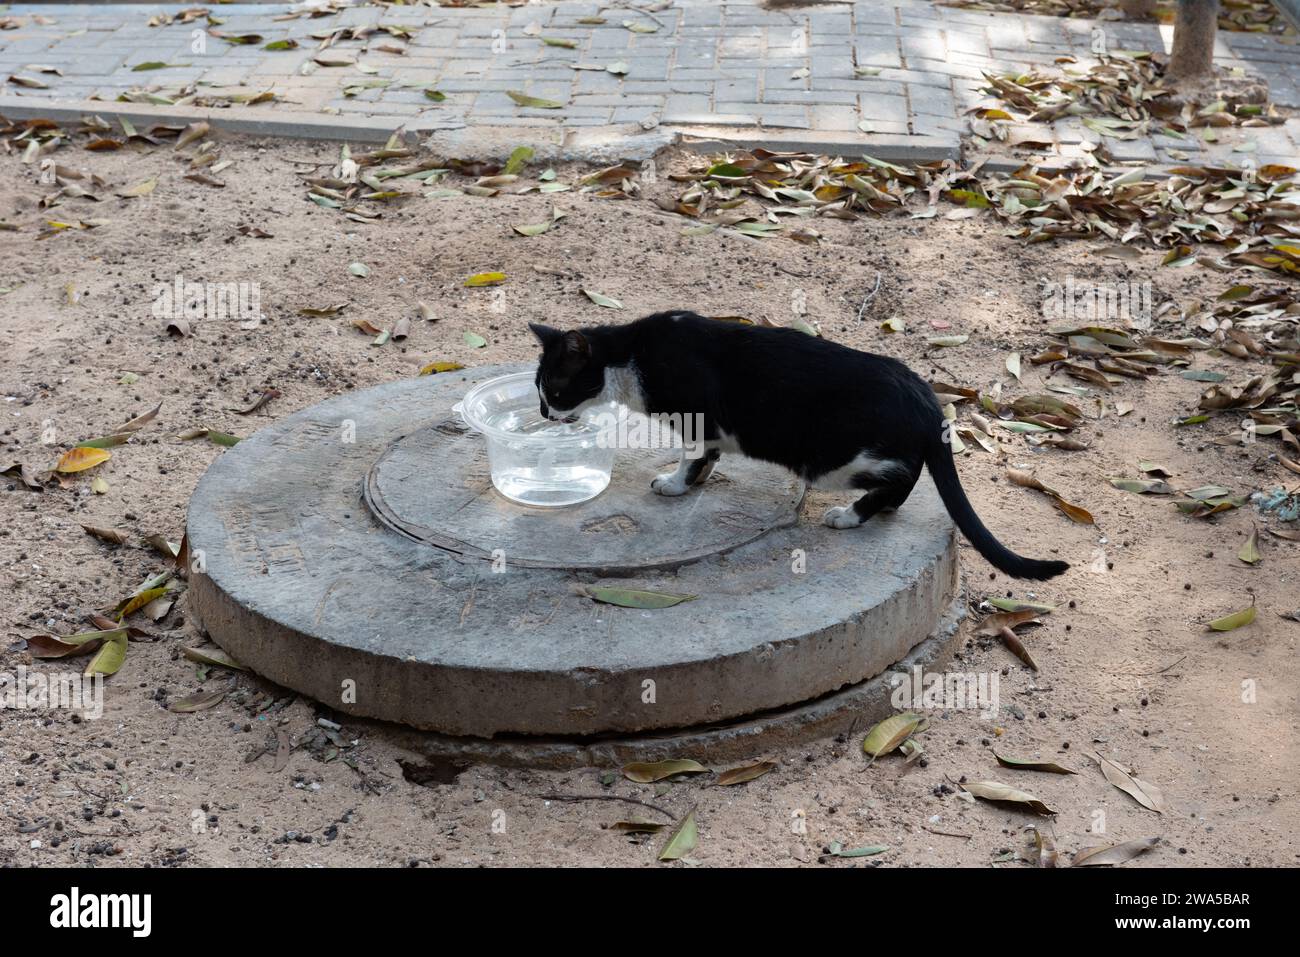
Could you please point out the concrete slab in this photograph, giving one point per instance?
(302, 583)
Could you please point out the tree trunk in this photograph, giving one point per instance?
(1195, 25)
(1138, 9)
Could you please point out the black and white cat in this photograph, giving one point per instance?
(838, 418)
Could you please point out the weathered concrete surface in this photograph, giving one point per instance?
(850, 710)
(621, 530)
(308, 589)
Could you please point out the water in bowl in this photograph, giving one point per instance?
(562, 475)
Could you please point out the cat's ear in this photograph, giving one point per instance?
(545, 334)
(577, 349)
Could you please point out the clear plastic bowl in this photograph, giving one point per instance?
(533, 460)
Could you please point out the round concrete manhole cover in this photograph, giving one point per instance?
(343, 556)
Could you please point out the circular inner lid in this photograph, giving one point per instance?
(434, 486)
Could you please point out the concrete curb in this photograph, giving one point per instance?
(249, 120)
(598, 145)
(892, 149)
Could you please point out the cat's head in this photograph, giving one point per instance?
(569, 376)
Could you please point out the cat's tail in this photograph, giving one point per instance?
(938, 459)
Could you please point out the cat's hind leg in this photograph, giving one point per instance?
(690, 471)
(880, 495)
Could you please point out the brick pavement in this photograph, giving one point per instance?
(890, 77)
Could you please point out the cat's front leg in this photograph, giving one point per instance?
(690, 471)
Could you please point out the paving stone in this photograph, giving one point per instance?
(785, 120)
(866, 86)
(836, 117)
(688, 74)
(99, 64)
(836, 67)
(880, 107)
(923, 48)
(920, 77)
(932, 101)
(936, 125)
(598, 81)
(683, 103)
(1188, 145)
(878, 51)
(1038, 29)
(784, 79)
(742, 46)
(737, 90)
(813, 98)
(968, 44)
(633, 114)
(702, 16)
(603, 99)
(1130, 150)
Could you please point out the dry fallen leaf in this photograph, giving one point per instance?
(1073, 512)
(1113, 854)
(1146, 794)
(643, 772)
(997, 791)
(110, 535)
(80, 459)
(746, 773)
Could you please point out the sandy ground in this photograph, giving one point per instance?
(1127, 665)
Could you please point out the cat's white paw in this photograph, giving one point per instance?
(670, 483)
(842, 516)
